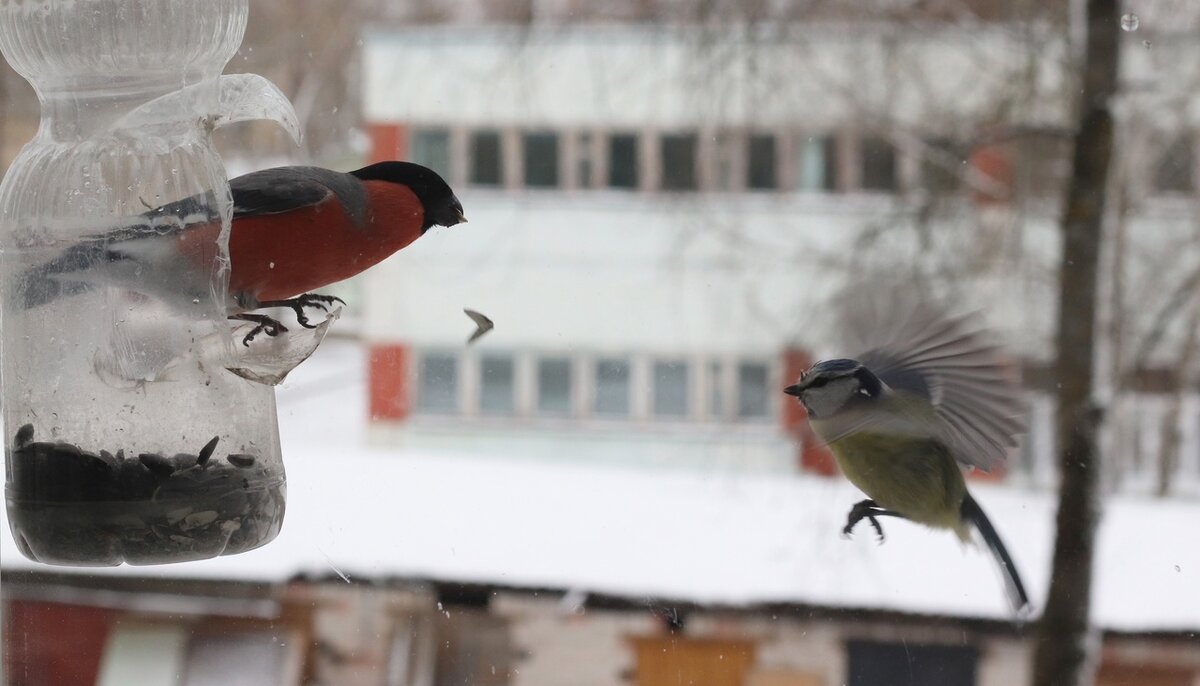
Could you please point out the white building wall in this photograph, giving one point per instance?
(822, 75)
(733, 274)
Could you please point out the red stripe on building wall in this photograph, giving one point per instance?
(993, 163)
(813, 455)
(388, 382)
(388, 142)
(54, 644)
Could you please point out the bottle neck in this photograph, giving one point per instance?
(78, 111)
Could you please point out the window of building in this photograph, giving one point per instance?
(815, 161)
(142, 653)
(554, 386)
(878, 159)
(431, 147)
(496, 385)
(678, 162)
(485, 158)
(541, 159)
(908, 664)
(753, 394)
(612, 388)
(1175, 169)
(670, 381)
(242, 658)
(437, 389)
(623, 160)
(760, 162)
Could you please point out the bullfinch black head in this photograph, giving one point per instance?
(442, 207)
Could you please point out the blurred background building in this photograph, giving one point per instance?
(666, 203)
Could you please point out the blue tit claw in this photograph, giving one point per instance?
(870, 511)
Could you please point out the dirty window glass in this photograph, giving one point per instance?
(438, 390)
(497, 385)
(292, 457)
(554, 386)
(612, 387)
(670, 379)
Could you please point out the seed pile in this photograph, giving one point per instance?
(71, 506)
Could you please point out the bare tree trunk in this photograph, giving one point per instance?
(1064, 639)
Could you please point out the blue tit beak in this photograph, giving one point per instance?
(793, 390)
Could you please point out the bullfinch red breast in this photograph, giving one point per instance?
(294, 230)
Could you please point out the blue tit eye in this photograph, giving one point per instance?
(819, 382)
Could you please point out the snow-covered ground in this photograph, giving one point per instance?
(703, 536)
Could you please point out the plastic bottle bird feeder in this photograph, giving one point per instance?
(127, 437)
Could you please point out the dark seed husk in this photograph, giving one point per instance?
(157, 464)
(241, 460)
(66, 450)
(24, 435)
(207, 451)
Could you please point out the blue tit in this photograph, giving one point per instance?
(905, 418)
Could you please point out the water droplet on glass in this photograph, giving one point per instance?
(272, 266)
(195, 301)
(1146, 44)
(1177, 568)
(439, 606)
(1129, 22)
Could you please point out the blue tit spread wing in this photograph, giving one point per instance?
(947, 362)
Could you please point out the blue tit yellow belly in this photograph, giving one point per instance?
(914, 476)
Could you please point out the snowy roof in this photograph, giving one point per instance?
(723, 537)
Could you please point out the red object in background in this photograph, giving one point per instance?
(814, 457)
(993, 163)
(54, 644)
(996, 475)
(387, 376)
(388, 142)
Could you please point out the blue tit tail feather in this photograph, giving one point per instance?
(972, 513)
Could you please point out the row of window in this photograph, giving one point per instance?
(606, 387)
(1034, 164)
(630, 160)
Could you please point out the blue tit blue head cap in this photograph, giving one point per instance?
(822, 372)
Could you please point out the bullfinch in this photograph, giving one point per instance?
(294, 230)
(904, 418)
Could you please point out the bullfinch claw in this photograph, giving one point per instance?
(298, 303)
(265, 324)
